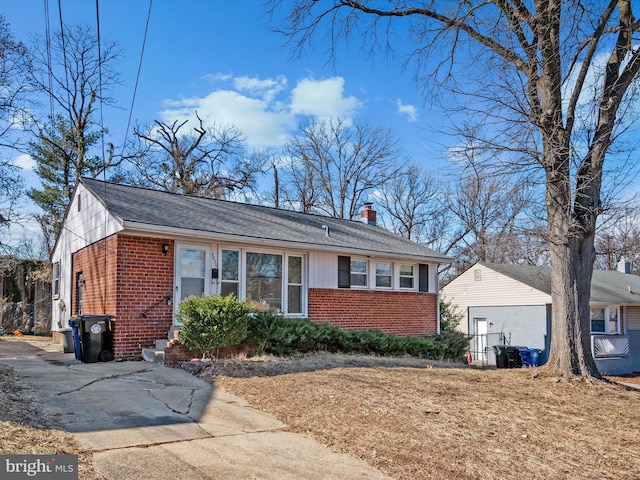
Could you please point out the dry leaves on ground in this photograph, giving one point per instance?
(27, 428)
(415, 421)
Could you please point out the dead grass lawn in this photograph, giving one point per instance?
(413, 421)
(27, 428)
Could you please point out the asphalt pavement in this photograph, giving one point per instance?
(147, 421)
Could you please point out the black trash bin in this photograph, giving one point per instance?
(501, 355)
(513, 356)
(96, 338)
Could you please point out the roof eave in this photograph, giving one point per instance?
(145, 229)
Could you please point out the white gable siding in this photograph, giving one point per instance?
(81, 228)
(491, 289)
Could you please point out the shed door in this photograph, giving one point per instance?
(481, 340)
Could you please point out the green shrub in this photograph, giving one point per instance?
(211, 322)
(275, 334)
(449, 319)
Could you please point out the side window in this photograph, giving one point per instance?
(359, 273)
(407, 276)
(230, 273)
(56, 280)
(384, 275)
(294, 284)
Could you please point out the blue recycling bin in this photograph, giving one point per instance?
(530, 357)
(76, 339)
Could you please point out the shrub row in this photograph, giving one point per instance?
(274, 334)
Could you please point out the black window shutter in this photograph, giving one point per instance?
(344, 272)
(423, 277)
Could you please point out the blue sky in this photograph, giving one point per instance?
(218, 57)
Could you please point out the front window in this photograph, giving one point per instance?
(406, 276)
(229, 279)
(294, 285)
(264, 280)
(359, 273)
(383, 275)
(605, 319)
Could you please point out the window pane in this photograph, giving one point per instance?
(229, 265)
(597, 320)
(295, 270)
(228, 288)
(358, 280)
(190, 287)
(294, 299)
(613, 320)
(406, 282)
(192, 263)
(383, 269)
(264, 280)
(358, 266)
(406, 270)
(383, 281)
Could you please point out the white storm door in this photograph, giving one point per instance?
(190, 273)
(481, 339)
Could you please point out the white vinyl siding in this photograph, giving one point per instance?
(89, 224)
(633, 318)
(493, 289)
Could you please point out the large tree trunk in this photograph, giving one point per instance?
(572, 253)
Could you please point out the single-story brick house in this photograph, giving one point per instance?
(511, 304)
(136, 253)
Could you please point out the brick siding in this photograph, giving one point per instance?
(139, 281)
(400, 313)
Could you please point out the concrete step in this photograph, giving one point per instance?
(160, 344)
(153, 355)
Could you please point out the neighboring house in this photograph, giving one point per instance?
(136, 253)
(511, 304)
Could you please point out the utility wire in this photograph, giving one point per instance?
(104, 166)
(64, 61)
(135, 88)
(49, 66)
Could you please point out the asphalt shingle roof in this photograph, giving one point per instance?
(607, 286)
(162, 209)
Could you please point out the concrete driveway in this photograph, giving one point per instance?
(146, 421)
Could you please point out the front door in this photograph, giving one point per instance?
(191, 273)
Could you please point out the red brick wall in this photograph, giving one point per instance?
(140, 279)
(400, 313)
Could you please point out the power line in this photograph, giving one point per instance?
(135, 88)
(49, 66)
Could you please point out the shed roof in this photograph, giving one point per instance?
(607, 286)
(140, 206)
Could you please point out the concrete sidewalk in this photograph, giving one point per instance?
(147, 421)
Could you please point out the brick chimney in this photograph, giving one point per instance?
(368, 215)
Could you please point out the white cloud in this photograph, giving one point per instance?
(25, 162)
(409, 110)
(264, 109)
(323, 98)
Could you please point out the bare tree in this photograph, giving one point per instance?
(552, 84)
(72, 78)
(208, 162)
(13, 69)
(618, 238)
(412, 200)
(334, 166)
